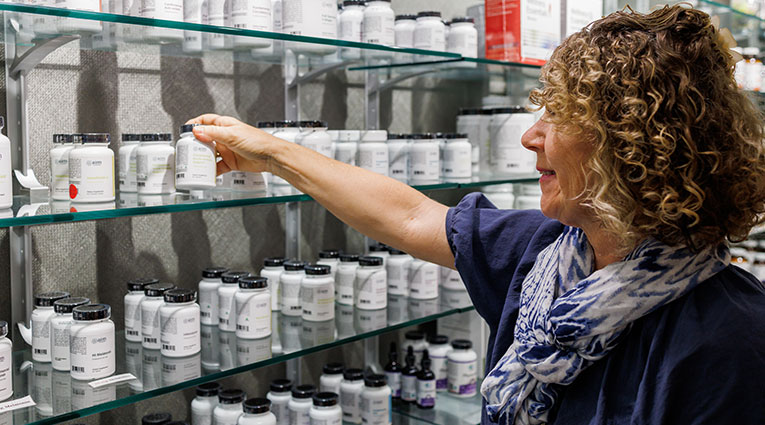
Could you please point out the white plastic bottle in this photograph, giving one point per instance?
(462, 374)
(194, 12)
(170, 10)
(229, 407)
(59, 168)
(218, 14)
(179, 323)
(376, 401)
(41, 316)
(276, 27)
(331, 258)
(423, 280)
(245, 181)
(132, 300)
(424, 159)
(463, 38)
(430, 32)
(508, 156)
(272, 270)
(438, 348)
(317, 293)
(350, 24)
(312, 18)
(227, 300)
(351, 388)
(252, 15)
(6, 363)
(208, 294)
(204, 403)
(379, 250)
(289, 131)
(289, 282)
(458, 156)
(398, 157)
(155, 160)
(325, 410)
(195, 166)
(469, 123)
(91, 342)
(127, 167)
(373, 151)
(345, 278)
(72, 25)
(371, 285)
(253, 308)
(404, 30)
(150, 322)
(379, 23)
(347, 146)
(452, 281)
(280, 395)
(314, 136)
(257, 411)
(59, 326)
(397, 268)
(300, 404)
(331, 377)
(91, 169)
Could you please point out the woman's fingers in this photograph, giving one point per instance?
(210, 133)
(214, 119)
(228, 157)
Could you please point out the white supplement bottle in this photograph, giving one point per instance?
(126, 165)
(289, 131)
(416, 340)
(289, 283)
(373, 151)
(41, 316)
(397, 267)
(59, 326)
(91, 169)
(253, 308)
(317, 293)
(458, 157)
(6, 363)
(59, 168)
(325, 410)
(227, 300)
(430, 32)
(273, 267)
(379, 250)
(314, 136)
(257, 411)
(331, 377)
(379, 23)
(229, 407)
(423, 280)
(300, 404)
(404, 30)
(508, 156)
(155, 160)
(462, 369)
(245, 181)
(179, 324)
(463, 38)
(438, 348)
(452, 281)
(312, 18)
(350, 22)
(204, 403)
(371, 285)
(252, 15)
(345, 278)
(347, 146)
(424, 158)
(170, 10)
(426, 384)
(351, 388)
(91, 342)
(195, 166)
(150, 323)
(376, 401)
(194, 12)
(71, 25)
(469, 122)
(218, 14)
(132, 300)
(331, 258)
(280, 396)
(208, 294)
(398, 157)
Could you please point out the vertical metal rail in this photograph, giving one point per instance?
(372, 99)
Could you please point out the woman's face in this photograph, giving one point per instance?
(560, 159)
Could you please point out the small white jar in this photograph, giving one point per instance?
(126, 165)
(91, 342)
(70, 25)
(257, 411)
(424, 158)
(273, 267)
(179, 324)
(171, 10)
(310, 18)
(508, 156)
(280, 396)
(404, 30)
(227, 299)
(289, 131)
(371, 285)
(438, 348)
(325, 410)
(347, 146)
(317, 293)
(314, 136)
(462, 369)
(458, 157)
(345, 279)
(331, 258)
(252, 15)
(218, 14)
(208, 295)
(373, 151)
(379, 23)
(204, 403)
(452, 281)
(350, 26)
(132, 301)
(41, 332)
(229, 407)
(351, 388)
(59, 325)
(194, 12)
(430, 32)
(398, 157)
(331, 377)
(155, 162)
(6, 363)
(290, 282)
(469, 122)
(397, 267)
(253, 308)
(416, 340)
(423, 280)
(59, 166)
(463, 38)
(376, 401)
(195, 163)
(300, 404)
(150, 322)
(91, 169)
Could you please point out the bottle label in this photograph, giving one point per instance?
(408, 388)
(195, 164)
(226, 311)
(424, 163)
(423, 282)
(208, 306)
(351, 403)
(155, 172)
(318, 301)
(41, 340)
(150, 326)
(374, 159)
(92, 356)
(379, 29)
(179, 331)
(253, 315)
(394, 382)
(6, 381)
(462, 376)
(344, 284)
(439, 368)
(371, 290)
(246, 182)
(426, 392)
(375, 411)
(91, 178)
(299, 418)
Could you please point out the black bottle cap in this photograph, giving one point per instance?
(303, 391)
(188, 128)
(293, 266)
(285, 124)
(274, 261)
(209, 389)
(353, 374)
(329, 253)
(370, 261)
(140, 284)
(463, 19)
(469, 111)
(157, 289)
(177, 423)
(378, 248)
(414, 335)
(253, 282)
(77, 138)
(438, 339)
(92, 312)
(406, 17)
(231, 396)
(156, 137)
(257, 405)
(509, 110)
(3, 328)
(425, 364)
(96, 138)
(265, 124)
(375, 381)
(354, 3)
(66, 305)
(281, 385)
(131, 137)
(317, 269)
(214, 272)
(312, 124)
(156, 419)
(180, 295)
(47, 299)
(349, 258)
(455, 136)
(333, 368)
(394, 136)
(394, 251)
(325, 399)
(62, 138)
(428, 13)
(233, 277)
(462, 344)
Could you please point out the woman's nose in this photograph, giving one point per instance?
(533, 139)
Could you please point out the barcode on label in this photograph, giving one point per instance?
(242, 328)
(78, 369)
(168, 347)
(132, 332)
(205, 314)
(180, 175)
(41, 351)
(238, 181)
(150, 340)
(141, 184)
(168, 366)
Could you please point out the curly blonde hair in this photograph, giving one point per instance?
(678, 149)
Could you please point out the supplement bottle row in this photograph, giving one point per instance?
(454, 366)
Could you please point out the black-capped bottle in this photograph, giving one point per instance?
(393, 372)
(409, 378)
(426, 384)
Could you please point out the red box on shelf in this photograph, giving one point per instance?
(525, 31)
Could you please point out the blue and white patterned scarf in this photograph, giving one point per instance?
(557, 338)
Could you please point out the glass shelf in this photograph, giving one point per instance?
(448, 410)
(60, 398)
(26, 212)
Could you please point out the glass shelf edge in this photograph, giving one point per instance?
(735, 11)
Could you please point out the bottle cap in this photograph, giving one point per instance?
(140, 283)
(281, 385)
(177, 423)
(285, 124)
(325, 399)
(370, 261)
(188, 128)
(92, 312)
(462, 344)
(349, 258)
(509, 110)
(209, 389)
(257, 405)
(303, 391)
(428, 13)
(317, 269)
(353, 374)
(463, 19)
(131, 137)
(95, 138)
(378, 248)
(292, 265)
(66, 305)
(156, 419)
(214, 272)
(3, 328)
(450, 136)
(348, 135)
(354, 3)
(329, 253)
(62, 138)
(469, 111)
(253, 282)
(312, 124)
(395, 136)
(374, 136)
(180, 295)
(414, 335)
(406, 17)
(157, 289)
(231, 396)
(333, 368)
(265, 124)
(375, 381)
(274, 262)
(47, 299)
(156, 137)
(438, 339)
(233, 277)
(394, 251)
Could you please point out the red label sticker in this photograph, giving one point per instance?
(72, 191)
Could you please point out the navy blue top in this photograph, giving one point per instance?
(697, 360)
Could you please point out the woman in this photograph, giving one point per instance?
(618, 305)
